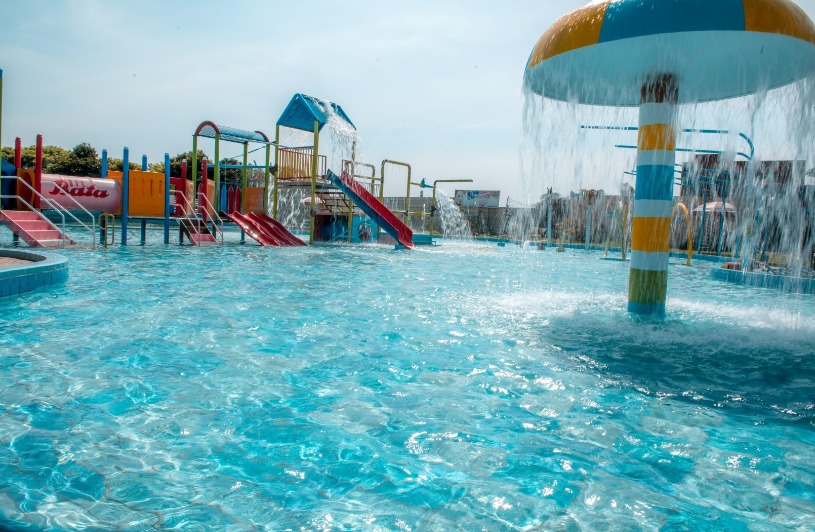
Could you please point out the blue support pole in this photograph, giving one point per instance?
(143, 231)
(721, 227)
(104, 172)
(166, 198)
(702, 224)
(143, 163)
(125, 192)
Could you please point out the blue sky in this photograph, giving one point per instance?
(434, 84)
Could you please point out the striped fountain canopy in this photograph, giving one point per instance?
(603, 52)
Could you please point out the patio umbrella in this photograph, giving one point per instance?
(716, 206)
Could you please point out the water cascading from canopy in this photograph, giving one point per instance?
(657, 54)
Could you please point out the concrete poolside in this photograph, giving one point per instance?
(12, 261)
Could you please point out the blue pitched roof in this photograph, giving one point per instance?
(303, 110)
(210, 129)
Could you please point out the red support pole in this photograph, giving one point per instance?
(184, 183)
(18, 152)
(38, 172)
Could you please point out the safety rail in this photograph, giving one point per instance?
(297, 163)
(83, 209)
(407, 195)
(107, 223)
(684, 209)
(217, 221)
(41, 197)
(195, 220)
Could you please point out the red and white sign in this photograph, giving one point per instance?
(103, 195)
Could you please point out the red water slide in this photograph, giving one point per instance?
(371, 206)
(275, 228)
(252, 229)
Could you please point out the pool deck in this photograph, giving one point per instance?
(6, 262)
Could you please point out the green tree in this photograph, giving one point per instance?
(83, 160)
(175, 162)
(116, 165)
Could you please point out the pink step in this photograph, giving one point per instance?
(21, 215)
(33, 229)
(202, 239)
(33, 225)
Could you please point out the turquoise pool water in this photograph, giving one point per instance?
(344, 388)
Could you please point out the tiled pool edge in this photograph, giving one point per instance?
(764, 280)
(44, 270)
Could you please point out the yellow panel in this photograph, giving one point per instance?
(146, 193)
(778, 16)
(651, 235)
(656, 137)
(575, 30)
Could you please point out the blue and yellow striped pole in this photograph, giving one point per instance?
(653, 197)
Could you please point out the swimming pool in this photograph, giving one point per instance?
(358, 387)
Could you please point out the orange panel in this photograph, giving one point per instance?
(575, 30)
(254, 200)
(656, 137)
(778, 16)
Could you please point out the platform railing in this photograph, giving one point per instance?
(217, 221)
(24, 202)
(92, 229)
(48, 202)
(195, 219)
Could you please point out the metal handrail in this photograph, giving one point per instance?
(18, 198)
(684, 209)
(93, 219)
(218, 221)
(109, 227)
(186, 203)
(46, 200)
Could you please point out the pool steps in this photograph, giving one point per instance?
(34, 229)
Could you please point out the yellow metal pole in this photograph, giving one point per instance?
(407, 197)
(266, 181)
(315, 166)
(350, 203)
(684, 209)
(277, 172)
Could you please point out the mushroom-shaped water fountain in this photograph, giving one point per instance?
(657, 54)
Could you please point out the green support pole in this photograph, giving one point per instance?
(277, 172)
(217, 204)
(243, 185)
(315, 166)
(266, 181)
(244, 178)
(351, 203)
(194, 169)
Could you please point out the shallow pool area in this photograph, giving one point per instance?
(465, 386)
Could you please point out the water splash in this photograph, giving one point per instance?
(454, 223)
(770, 228)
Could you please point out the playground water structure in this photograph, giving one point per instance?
(461, 386)
(672, 60)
